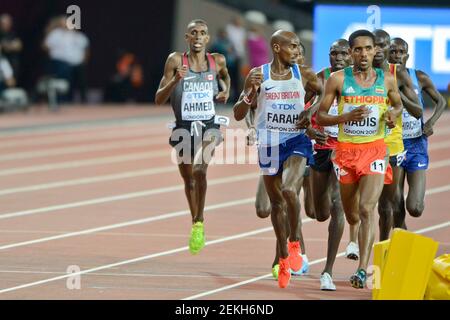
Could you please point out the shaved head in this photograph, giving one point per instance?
(282, 37)
(401, 42)
(382, 34)
(340, 43)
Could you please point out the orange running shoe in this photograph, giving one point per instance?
(284, 273)
(295, 259)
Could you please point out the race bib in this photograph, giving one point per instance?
(412, 127)
(282, 117)
(198, 104)
(400, 158)
(366, 127)
(332, 131)
(378, 166)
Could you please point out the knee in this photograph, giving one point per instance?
(289, 193)
(323, 216)
(322, 212)
(415, 210)
(277, 206)
(352, 219)
(365, 210)
(199, 174)
(262, 212)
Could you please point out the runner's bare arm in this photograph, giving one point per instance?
(173, 73)
(428, 86)
(222, 71)
(409, 97)
(313, 86)
(248, 96)
(395, 101)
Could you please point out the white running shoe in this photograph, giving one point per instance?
(326, 282)
(352, 251)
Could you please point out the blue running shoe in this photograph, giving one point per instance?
(304, 269)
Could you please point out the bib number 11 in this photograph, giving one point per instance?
(378, 166)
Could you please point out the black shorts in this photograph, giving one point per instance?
(322, 160)
(182, 140)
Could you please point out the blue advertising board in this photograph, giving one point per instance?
(426, 30)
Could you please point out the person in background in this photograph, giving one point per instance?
(6, 74)
(237, 35)
(68, 51)
(258, 50)
(11, 44)
(224, 46)
(127, 79)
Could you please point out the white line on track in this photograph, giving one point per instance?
(341, 254)
(83, 163)
(182, 249)
(125, 196)
(95, 179)
(104, 146)
(79, 138)
(130, 174)
(129, 223)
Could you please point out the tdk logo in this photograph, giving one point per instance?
(283, 106)
(198, 95)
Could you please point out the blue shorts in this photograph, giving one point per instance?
(272, 158)
(417, 154)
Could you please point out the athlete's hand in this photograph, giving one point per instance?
(358, 114)
(428, 129)
(304, 120)
(319, 136)
(222, 97)
(251, 136)
(256, 78)
(390, 119)
(181, 73)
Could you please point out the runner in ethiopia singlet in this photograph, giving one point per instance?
(192, 102)
(366, 134)
(280, 103)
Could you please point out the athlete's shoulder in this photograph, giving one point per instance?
(218, 57)
(307, 71)
(175, 56)
(421, 74)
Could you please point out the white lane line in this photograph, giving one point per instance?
(105, 146)
(341, 254)
(83, 163)
(82, 181)
(164, 216)
(85, 125)
(177, 250)
(83, 137)
(139, 259)
(129, 223)
(438, 145)
(125, 196)
(132, 174)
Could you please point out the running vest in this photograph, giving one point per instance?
(394, 137)
(412, 127)
(332, 131)
(193, 97)
(375, 98)
(280, 103)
